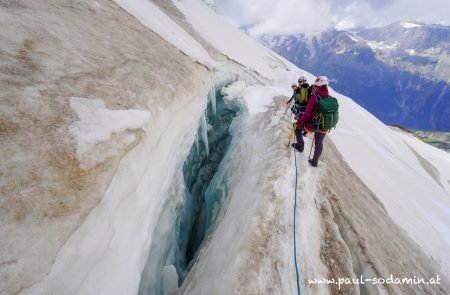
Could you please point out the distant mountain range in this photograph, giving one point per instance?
(400, 72)
(440, 140)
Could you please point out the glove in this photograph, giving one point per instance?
(294, 124)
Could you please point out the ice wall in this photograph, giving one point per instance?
(111, 246)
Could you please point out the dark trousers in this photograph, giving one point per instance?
(318, 142)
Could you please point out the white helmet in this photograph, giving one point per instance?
(302, 78)
(321, 80)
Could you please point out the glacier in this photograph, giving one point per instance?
(184, 184)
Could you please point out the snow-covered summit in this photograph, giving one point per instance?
(109, 107)
(409, 25)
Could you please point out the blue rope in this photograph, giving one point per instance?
(295, 209)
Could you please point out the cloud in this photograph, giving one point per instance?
(336, 5)
(299, 16)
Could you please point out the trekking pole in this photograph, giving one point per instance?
(290, 135)
(287, 108)
(312, 143)
(314, 137)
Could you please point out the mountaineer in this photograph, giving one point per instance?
(320, 116)
(302, 95)
(295, 107)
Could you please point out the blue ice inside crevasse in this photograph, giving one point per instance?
(194, 202)
(212, 98)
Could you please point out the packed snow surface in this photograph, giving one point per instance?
(257, 98)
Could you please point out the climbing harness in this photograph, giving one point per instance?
(295, 240)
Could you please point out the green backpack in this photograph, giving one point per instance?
(327, 113)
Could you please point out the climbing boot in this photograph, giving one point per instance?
(311, 162)
(297, 147)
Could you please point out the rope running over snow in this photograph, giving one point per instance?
(295, 209)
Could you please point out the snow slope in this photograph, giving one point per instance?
(166, 28)
(225, 38)
(394, 172)
(137, 65)
(434, 160)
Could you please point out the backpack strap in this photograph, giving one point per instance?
(317, 115)
(318, 98)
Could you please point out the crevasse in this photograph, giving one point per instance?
(194, 202)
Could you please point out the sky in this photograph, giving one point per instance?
(300, 16)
